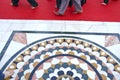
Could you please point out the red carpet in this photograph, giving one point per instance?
(92, 11)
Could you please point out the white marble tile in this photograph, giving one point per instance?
(115, 49)
(4, 27)
(41, 27)
(38, 26)
(83, 26)
(2, 45)
(13, 48)
(4, 60)
(88, 26)
(4, 36)
(98, 29)
(112, 23)
(114, 29)
(5, 21)
(100, 40)
(87, 23)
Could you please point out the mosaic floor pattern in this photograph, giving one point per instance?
(62, 56)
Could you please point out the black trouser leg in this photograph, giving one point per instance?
(33, 3)
(58, 2)
(15, 2)
(106, 1)
(83, 2)
(70, 3)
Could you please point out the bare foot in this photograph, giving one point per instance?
(58, 14)
(77, 12)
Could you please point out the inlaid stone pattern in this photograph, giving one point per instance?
(111, 40)
(64, 58)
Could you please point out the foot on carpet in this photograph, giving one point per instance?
(58, 14)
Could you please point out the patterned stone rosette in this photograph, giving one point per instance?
(64, 58)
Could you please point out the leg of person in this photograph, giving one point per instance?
(70, 3)
(14, 2)
(83, 2)
(63, 7)
(105, 2)
(58, 2)
(33, 3)
(78, 7)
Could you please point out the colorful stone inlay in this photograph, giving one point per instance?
(64, 58)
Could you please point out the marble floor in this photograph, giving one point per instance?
(99, 39)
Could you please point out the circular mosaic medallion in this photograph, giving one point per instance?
(64, 58)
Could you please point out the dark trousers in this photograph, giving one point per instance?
(106, 1)
(83, 2)
(15, 2)
(58, 2)
(32, 2)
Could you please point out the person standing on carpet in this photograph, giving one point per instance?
(64, 5)
(105, 2)
(33, 3)
(83, 2)
(5, 75)
(58, 2)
